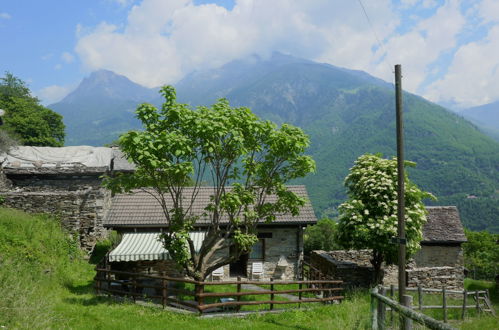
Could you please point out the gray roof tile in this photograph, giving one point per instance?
(443, 225)
(140, 209)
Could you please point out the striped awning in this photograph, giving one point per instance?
(147, 246)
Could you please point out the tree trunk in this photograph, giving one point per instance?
(376, 261)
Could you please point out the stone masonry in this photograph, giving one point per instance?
(354, 268)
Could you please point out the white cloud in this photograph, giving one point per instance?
(53, 93)
(489, 10)
(67, 57)
(5, 16)
(473, 77)
(164, 40)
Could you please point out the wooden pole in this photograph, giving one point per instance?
(444, 304)
(381, 310)
(164, 290)
(272, 294)
(238, 298)
(392, 293)
(420, 298)
(477, 298)
(465, 297)
(374, 312)
(407, 321)
(300, 286)
(400, 181)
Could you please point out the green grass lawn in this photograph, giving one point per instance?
(46, 284)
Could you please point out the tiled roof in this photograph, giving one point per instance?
(140, 209)
(444, 225)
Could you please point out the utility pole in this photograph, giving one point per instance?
(400, 186)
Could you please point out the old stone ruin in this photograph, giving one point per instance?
(438, 264)
(64, 182)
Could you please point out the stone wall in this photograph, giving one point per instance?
(354, 268)
(285, 246)
(81, 208)
(439, 256)
(351, 273)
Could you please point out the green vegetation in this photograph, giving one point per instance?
(481, 255)
(45, 284)
(245, 158)
(320, 236)
(25, 118)
(368, 219)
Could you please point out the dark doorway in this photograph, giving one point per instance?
(240, 266)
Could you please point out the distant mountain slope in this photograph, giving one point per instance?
(346, 113)
(486, 117)
(101, 108)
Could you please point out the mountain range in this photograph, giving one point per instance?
(485, 117)
(345, 112)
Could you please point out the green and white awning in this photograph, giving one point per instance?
(147, 246)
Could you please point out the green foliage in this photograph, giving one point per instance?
(102, 247)
(36, 258)
(25, 119)
(229, 146)
(481, 254)
(320, 236)
(368, 220)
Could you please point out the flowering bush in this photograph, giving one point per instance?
(369, 218)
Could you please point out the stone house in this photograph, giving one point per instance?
(438, 263)
(64, 182)
(139, 218)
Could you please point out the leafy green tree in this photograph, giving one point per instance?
(246, 160)
(320, 236)
(368, 220)
(25, 118)
(481, 254)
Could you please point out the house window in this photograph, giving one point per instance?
(258, 250)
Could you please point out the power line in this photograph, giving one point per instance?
(380, 44)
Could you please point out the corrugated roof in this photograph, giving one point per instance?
(139, 209)
(443, 225)
(147, 246)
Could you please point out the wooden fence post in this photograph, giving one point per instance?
(272, 294)
(444, 304)
(134, 287)
(420, 298)
(108, 280)
(477, 298)
(407, 325)
(374, 312)
(164, 289)
(465, 297)
(300, 286)
(238, 298)
(97, 282)
(392, 293)
(381, 310)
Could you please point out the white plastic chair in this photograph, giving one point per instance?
(256, 269)
(219, 272)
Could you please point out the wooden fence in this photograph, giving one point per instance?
(163, 289)
(407, 314)
(480, 299)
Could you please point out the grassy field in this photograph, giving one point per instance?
(46, 284)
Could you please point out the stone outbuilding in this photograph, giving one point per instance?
(438, 263)
(64, 182)
(139, 218)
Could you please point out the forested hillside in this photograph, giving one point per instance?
(345, 112)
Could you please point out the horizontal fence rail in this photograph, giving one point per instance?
(113, 282)
(377, 313)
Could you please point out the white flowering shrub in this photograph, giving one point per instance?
(368, 220)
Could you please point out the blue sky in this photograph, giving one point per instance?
(448, 49)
